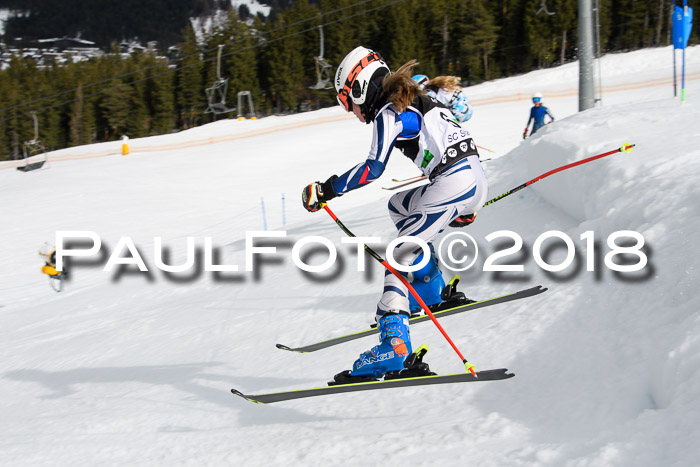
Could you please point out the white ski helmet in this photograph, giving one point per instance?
(48, 252)
(354, 76)
(537, 97)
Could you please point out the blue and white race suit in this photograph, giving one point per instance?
(445, 152)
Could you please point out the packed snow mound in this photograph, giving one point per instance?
(626, 344)
(629, 190)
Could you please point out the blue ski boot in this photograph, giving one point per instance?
(394, 346)
(428, 283)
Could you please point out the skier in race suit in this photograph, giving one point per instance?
(403, 116)
(537, 114)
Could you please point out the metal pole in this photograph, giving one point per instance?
(320, 31)
(586, 99)
(685, 15)
(596, 7)
(675, 84)
(673, 41)
(218, 63)
(36, 126)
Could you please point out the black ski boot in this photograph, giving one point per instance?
(414, 366)
(450, 297)
(344, 377)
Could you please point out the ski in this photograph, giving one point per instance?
(407, 179)
(400, 185)
(418, 319)
(486, 375)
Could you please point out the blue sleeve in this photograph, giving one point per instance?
(387, 127)
(549, 113)
(532, 117)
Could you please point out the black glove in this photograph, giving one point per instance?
(463, 221)
(316, 194)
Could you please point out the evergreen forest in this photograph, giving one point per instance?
(147, 93)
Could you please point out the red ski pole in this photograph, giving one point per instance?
(627, 147)
(469, 367)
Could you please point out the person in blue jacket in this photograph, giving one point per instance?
(537, 113)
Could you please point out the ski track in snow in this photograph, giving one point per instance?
(129, 368)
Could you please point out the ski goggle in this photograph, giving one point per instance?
(351, 84)
(536, 99)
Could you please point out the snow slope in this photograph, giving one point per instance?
(126, 367)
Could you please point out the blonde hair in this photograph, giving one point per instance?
(399, 88)
(450, 83)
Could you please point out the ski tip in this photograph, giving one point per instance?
(238, 393)
(284, 347)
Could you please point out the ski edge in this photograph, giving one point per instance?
(485, 375)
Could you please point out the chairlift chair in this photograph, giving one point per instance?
(33, 150)
(216, 95)
(241, 101)
(323, 69)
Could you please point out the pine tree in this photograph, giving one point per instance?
(161, 99)
(77, 129)
(479, 39)
(189, 86)
(116, 107)
(284, 64)
(241, 65)
(564, 25)
(538, 36)
(339, 37)
(403, 41)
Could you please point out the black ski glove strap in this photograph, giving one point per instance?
(327, 187)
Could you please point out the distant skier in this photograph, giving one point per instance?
(537, 114)
(48, 252)
(404, 116)
(447, 89)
